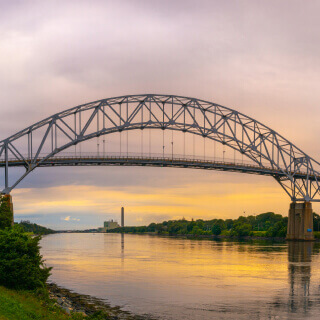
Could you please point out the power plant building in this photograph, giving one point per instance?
(109, 225)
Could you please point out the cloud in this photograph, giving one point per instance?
(258, 57)
(68, 218)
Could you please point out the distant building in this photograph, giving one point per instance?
(109, 225)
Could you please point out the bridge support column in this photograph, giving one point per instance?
(8, 199)
(300, 222)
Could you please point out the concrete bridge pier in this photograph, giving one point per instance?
(8, 198)
(300, 222)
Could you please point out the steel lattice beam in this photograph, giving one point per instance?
(298, 172)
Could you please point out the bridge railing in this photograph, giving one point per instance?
(67, 156)
(166, 156)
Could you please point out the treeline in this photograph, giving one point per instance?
(266, 224)
(35, 228)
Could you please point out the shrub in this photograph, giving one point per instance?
(21, 265)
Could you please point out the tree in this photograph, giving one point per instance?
(200, 224)
(196, 230)
(152, 227)
(316, 222)
(190, 226)
(229, 224)
(21, 265)
(278, 230)
(216, 229)
(242, 230)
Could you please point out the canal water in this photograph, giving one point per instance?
(171, 278)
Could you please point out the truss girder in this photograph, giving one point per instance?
(299, 172)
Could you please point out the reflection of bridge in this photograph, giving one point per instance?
(271, 154)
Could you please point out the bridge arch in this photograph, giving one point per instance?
(295, 171)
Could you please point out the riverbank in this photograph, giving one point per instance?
(57, 304)
(211, 237)
(229, 238)
(24, 305)
(219, 237)
(86, 305)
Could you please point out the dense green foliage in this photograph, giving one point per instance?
(21, 265)
(265, 224)
(35, 228)
(5, 214)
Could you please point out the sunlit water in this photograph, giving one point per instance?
(189, 279)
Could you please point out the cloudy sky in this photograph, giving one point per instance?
(258, 57)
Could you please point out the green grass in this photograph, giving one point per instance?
(24, 305)
(259, 233)
(28, 305)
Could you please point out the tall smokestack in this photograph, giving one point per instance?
(122, 217)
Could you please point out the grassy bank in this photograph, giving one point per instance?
(28, 305)
(24, 305)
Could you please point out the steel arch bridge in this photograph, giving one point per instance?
(42, 143)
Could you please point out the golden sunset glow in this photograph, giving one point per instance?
(145, 205)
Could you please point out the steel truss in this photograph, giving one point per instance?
(35, 146)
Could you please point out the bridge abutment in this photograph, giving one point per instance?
(300, 222)
(8, 214)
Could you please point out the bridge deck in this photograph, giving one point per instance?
(156, 162)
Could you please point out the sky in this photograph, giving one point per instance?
(258, 57)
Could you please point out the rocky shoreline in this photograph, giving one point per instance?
(86, 305)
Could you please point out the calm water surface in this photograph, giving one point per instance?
(189, 279)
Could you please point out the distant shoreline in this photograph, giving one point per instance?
(207, 237)
(190, 236)
(193, 237)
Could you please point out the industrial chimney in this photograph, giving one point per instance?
(122, 217)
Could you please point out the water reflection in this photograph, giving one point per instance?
(122, 249)
(190, 279)
(299, 268)
(122, 244)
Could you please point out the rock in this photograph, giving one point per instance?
(86, 305)
(66, 309)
